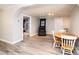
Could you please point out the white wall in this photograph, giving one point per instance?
(74, 28)
(67, 22)
(49, 25)
(62, 22)
(0, 23)
(7, 26)
(34, 25)
(11, 24)
(57, 23)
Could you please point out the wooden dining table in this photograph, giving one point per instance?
(59, 34)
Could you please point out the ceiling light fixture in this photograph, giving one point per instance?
(51, 14)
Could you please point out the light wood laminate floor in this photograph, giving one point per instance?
(30, 46)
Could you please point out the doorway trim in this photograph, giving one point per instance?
(29, 25)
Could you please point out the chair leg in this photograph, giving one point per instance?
(71, 52)
(53, 44)
(63, 51)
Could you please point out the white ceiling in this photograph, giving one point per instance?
(45, 9)
(3, 6)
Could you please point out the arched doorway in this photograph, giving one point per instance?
(22, 19)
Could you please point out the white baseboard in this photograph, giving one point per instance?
(10, 42)
(37, 33)
(14, 42)
(49, 33)
(33, 34)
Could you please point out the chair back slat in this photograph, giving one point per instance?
(68, 41)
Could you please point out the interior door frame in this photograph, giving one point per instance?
(29, 20)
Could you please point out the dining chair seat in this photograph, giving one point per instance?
(67, 47)
(57, 40)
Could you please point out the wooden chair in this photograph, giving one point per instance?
(68, 43)
(56, 41)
